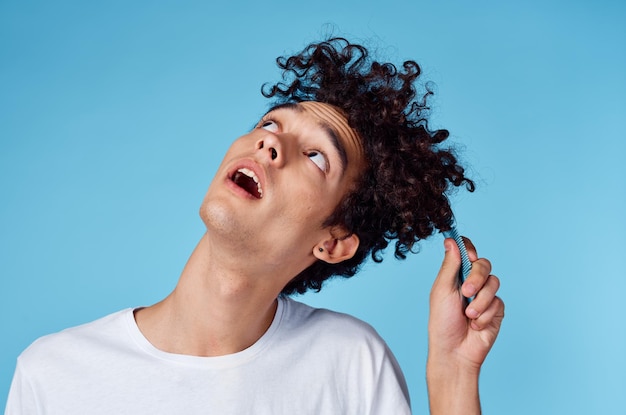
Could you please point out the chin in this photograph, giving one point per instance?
(221, 223)
(216, 217)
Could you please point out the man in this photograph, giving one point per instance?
(341, 165)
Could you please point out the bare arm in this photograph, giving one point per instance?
(460, 335)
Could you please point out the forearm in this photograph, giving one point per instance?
(452, 389)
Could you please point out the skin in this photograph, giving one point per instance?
(459, 335)
(306, 158)
(223, 304)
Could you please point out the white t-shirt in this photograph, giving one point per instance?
(310, 361)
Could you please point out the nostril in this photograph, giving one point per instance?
(260, 145)
(274, 153)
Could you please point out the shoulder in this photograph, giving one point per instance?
(340, 346)
(300, 313)
(76, 340)
(323, 324)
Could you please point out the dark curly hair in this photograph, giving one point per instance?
(402, 194)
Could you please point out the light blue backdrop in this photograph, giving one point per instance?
(114, 115)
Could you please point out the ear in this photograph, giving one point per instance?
(335, 250)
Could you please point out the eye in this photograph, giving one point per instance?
(269, 125)
(319, 159)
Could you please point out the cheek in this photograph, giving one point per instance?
(238, 147)
(312, 204)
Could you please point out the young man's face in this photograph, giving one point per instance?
(278, 184)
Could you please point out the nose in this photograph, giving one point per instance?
(271, 149)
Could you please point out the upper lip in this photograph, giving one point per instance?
(255, 168)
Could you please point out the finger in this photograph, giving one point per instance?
(447, 276)
(492, 315)
(481, 268)
(483, 298)
(471, 249)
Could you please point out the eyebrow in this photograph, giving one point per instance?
(328, 130)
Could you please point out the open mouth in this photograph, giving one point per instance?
(248, 180)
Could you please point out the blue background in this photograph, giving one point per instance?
(114, 116)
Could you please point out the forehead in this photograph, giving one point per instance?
(332, 117)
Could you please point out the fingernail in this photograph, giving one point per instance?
(446, 245)
(470, 289)
(471, 313)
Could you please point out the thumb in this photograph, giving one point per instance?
(447, 278)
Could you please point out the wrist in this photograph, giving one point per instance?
(452, 387)
(449, 364)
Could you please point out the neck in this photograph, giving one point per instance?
(217, 308)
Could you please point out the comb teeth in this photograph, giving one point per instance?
(466, 265)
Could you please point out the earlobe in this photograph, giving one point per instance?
(336, 250)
